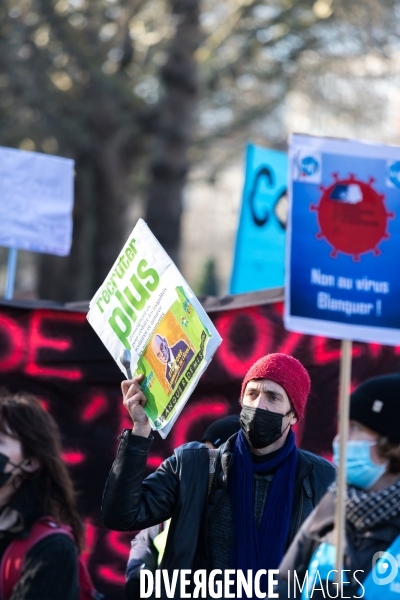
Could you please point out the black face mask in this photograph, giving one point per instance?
(4, 477)
(261, 427)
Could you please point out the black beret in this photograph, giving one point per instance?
(376, 404)
(219, 431)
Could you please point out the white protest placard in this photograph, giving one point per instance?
(36, 200)
(343, 242)
(152, 324)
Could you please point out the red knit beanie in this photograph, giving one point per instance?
(288, 372)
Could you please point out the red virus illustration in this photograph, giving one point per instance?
(352, 217)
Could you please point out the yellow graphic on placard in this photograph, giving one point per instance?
(169, 352)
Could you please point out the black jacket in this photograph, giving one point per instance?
(179, 489)
(360, 547)
(50, 570)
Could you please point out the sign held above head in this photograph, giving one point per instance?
(343, 233)
(153, 325)
(260, 243)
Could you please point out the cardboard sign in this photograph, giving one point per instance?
(152, 324)
(343, 247)
(260, 244)
(36, 200)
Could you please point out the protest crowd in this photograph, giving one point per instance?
(241, 440)
(244, 497)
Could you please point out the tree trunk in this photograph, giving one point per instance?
(99, 227)
(173, 129)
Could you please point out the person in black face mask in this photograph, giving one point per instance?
(237, 507)
(273, 485)
(41, 531)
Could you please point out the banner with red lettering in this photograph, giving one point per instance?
(53, 352)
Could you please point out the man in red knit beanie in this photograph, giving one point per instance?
(238, 507)
(273, 398)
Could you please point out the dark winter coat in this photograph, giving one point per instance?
(179, 490)
(360, 547)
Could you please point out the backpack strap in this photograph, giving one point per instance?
(213, 455)
(87, 589)
(13, 558)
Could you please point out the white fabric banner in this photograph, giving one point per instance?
(36, 200)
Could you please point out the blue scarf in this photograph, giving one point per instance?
(261, 547)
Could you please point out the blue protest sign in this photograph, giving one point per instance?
(260, 244)
(343, 242)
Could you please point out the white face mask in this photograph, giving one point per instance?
(362, 472)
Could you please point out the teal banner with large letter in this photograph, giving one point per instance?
(260, 244)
